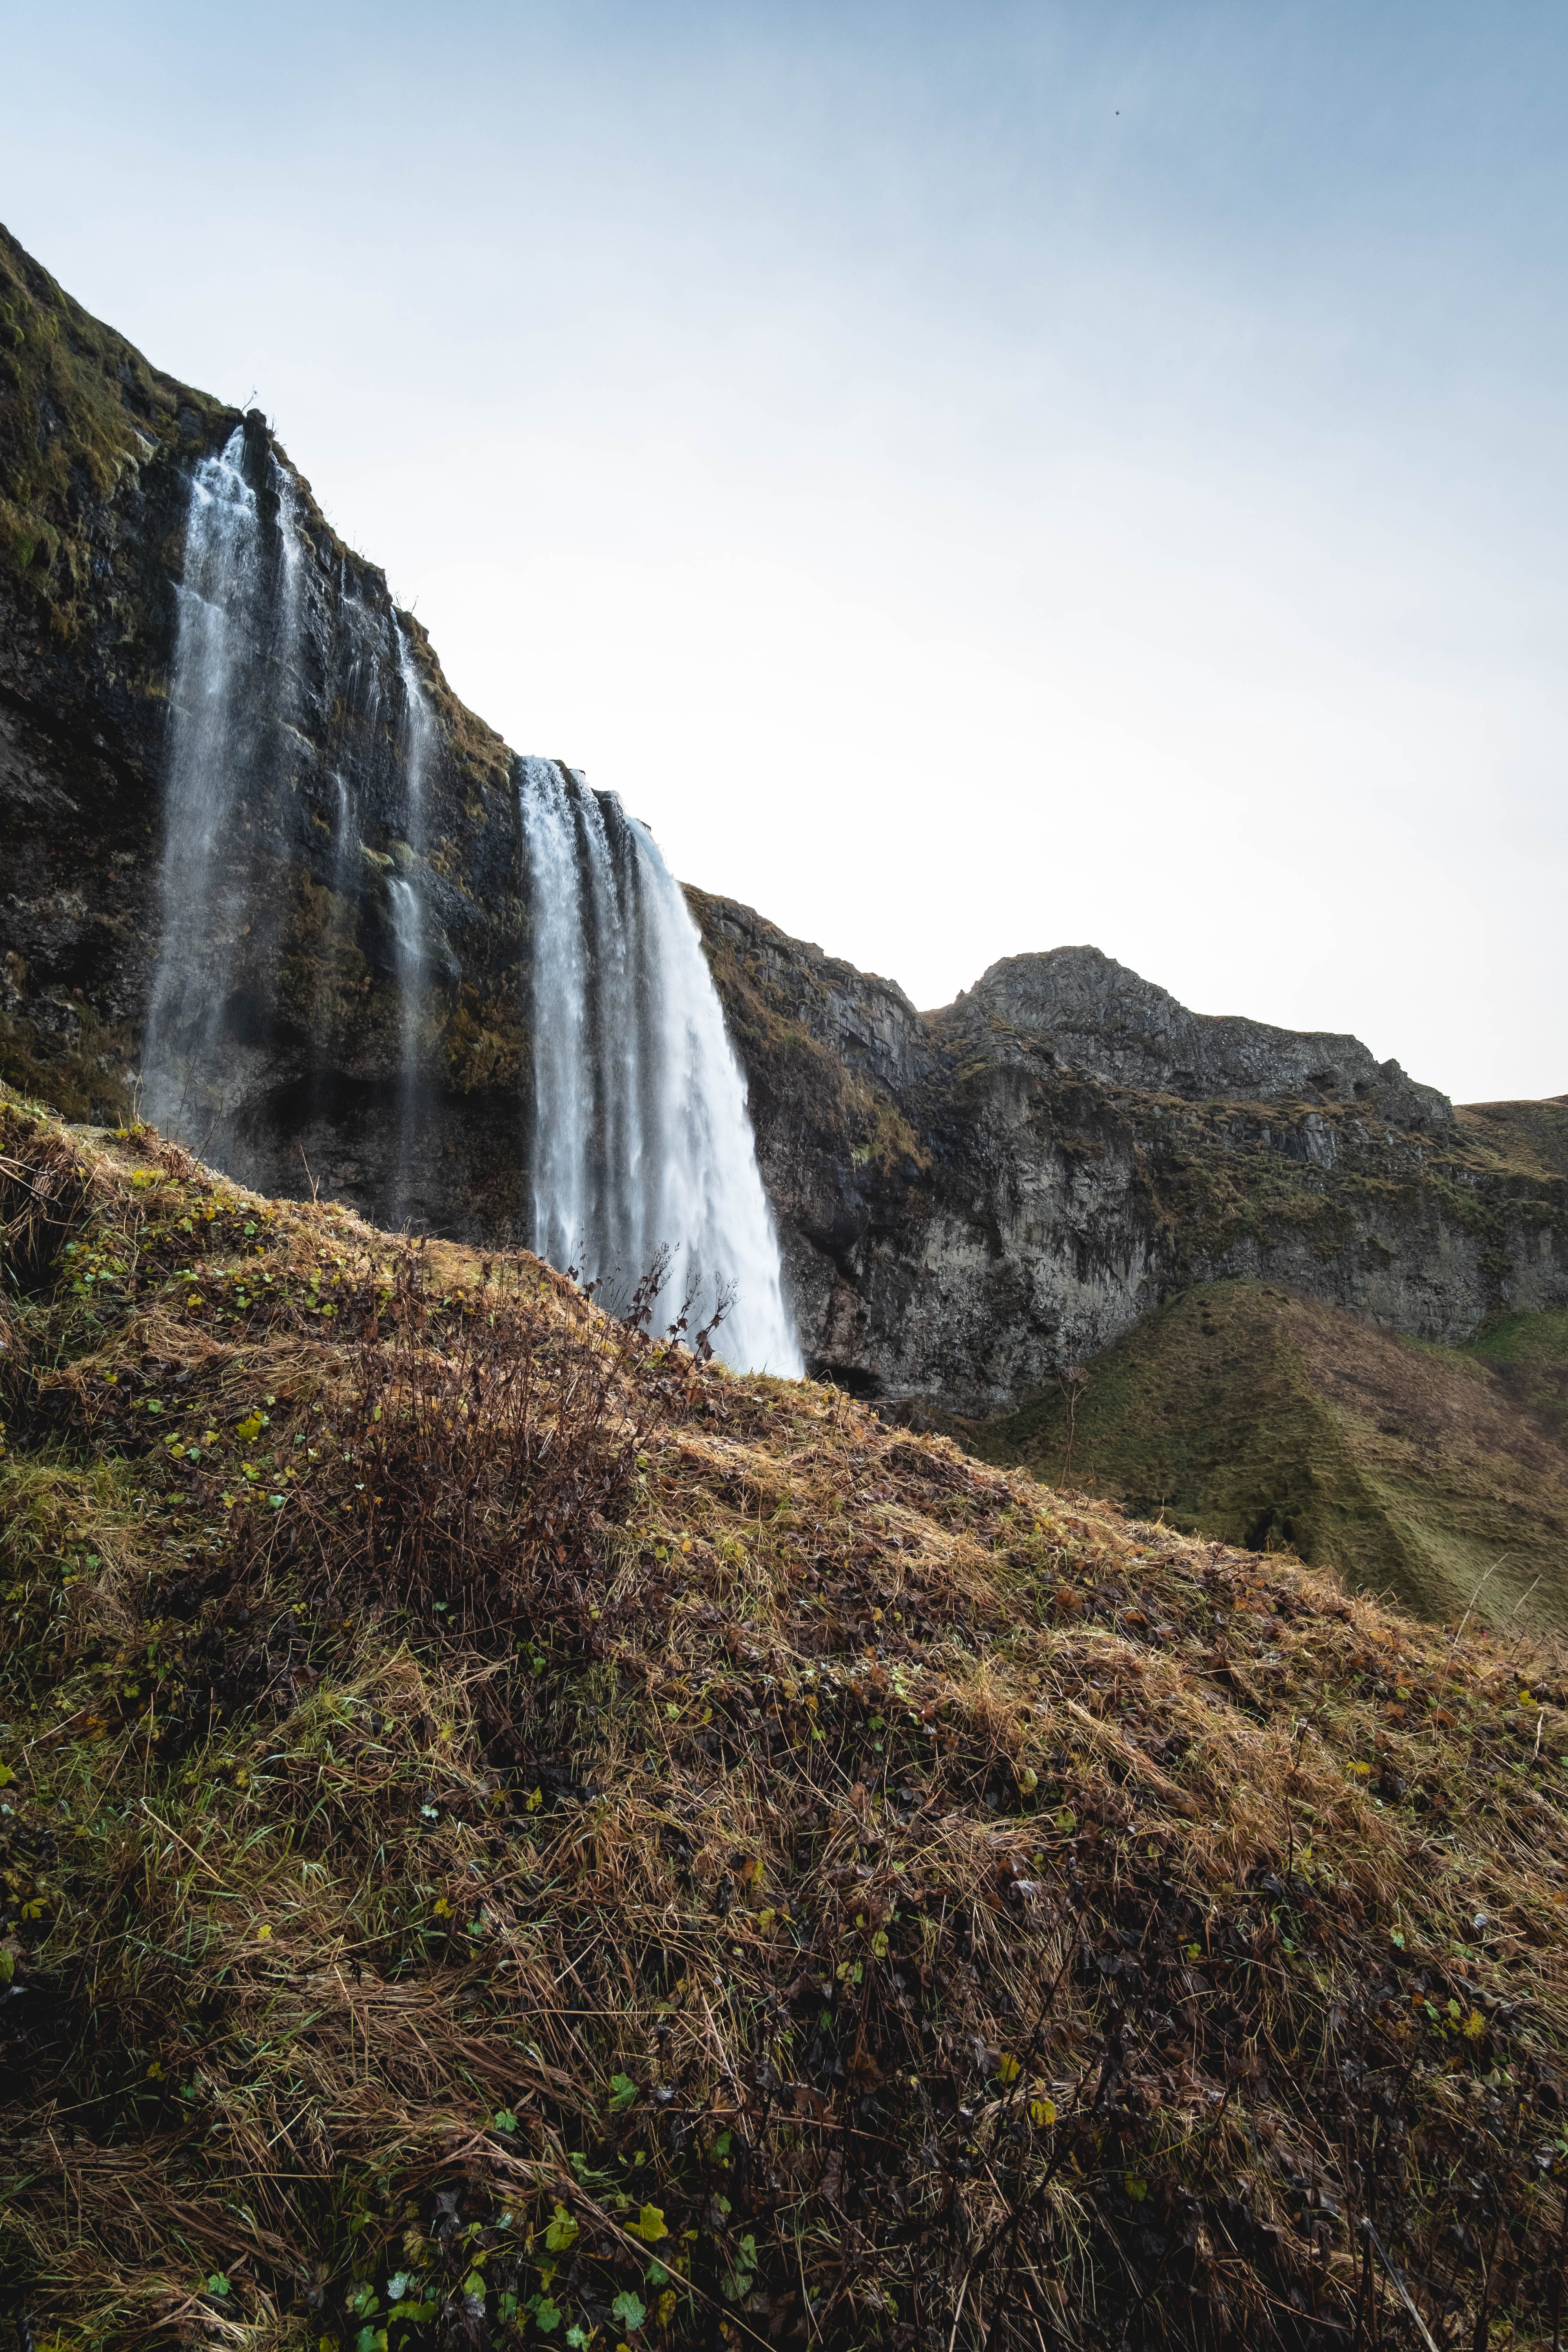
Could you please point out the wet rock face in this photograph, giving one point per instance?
(309, 1032)
(972, 1200)
(97, 454)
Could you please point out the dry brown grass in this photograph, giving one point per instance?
(620, 1853)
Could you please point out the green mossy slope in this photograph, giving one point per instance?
(1240, 1411)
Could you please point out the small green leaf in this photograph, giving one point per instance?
(561, 2233)
(624, 2093)
(737, 2281)
(217, 2284)
(629, 2309)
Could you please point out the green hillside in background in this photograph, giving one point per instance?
(1240, 1411)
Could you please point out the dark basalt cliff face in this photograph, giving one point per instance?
(968, 1199)
(973, 1199)
(96, 455)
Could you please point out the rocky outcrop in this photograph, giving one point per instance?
(972, 1200)
(968, 1199)
(1090, 1015)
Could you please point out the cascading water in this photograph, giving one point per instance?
(563, 1078)
(294, 699)
(406, 898)
(239, 605)
(641, 1135)
(342, 837)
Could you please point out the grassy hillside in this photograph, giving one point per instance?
(1529, 1355)
(1530, 1136)
(510, 1833)
(1240, 1412)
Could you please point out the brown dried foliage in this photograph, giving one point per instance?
(625, 1848)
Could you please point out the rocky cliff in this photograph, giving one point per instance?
(97, 451)
(968, 1199)
(975, 1198)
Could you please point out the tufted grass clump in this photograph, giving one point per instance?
(516, 1834)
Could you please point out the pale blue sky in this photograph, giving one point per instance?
(973, 476)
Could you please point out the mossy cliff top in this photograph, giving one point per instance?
(83, 414)
(511, 1833)
(80, 409)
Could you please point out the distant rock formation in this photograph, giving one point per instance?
(1106, 1022)
(971, 1199)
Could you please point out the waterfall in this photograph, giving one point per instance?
(406, 898)
(233, 680)
(641, 1135)
(342, 836)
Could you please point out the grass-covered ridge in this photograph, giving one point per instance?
(1239, 1411)
(513, 1833)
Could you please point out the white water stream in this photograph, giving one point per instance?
(405, 895)
(233, 679)
(642, 1137)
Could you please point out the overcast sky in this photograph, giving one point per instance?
(973, 477)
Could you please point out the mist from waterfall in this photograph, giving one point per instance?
(233, 679)
(641, 1135)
